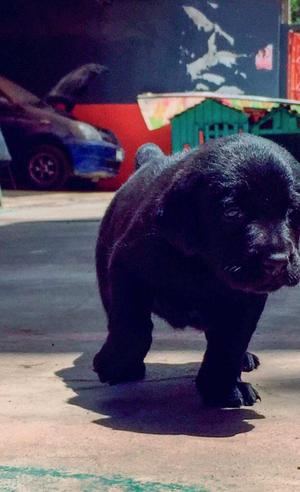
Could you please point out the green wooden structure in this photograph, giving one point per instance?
(279, 121)
(209, 119)
(212, 119)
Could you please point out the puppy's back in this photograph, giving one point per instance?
(150, 162)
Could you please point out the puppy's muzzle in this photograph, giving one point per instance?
(276, 264)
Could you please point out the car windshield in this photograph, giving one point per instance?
(15, 93)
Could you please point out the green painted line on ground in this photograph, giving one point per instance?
(88, 481)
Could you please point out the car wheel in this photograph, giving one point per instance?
(47, 167)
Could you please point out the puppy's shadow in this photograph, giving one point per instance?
(166, 402)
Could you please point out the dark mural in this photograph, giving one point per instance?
(149, 46)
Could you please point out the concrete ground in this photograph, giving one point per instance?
(61, 430)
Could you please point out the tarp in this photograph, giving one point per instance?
(158, 109)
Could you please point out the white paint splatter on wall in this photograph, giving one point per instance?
(213, 5)
(201, 87)
(200, 69)
(229, 89)
(213, 78)
(202, 22)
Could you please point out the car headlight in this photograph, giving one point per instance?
(87, 132)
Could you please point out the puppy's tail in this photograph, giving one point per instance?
(148, 153)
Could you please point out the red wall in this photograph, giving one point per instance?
(293, 79)
(126, 121)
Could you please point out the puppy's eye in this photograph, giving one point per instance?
(233, 213)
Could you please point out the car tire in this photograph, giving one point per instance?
(47, 167)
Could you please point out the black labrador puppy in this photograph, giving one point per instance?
(199, 238)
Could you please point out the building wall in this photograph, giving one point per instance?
(148, 45)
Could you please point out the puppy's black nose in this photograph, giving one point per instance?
(276, 263)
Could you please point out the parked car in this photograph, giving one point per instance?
(47, 144)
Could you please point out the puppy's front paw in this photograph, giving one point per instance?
(241, 394)
(113, 368)
(250, 362)
(249, 394)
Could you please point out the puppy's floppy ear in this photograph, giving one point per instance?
(178, 212)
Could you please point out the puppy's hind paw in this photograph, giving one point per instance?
(115, 370)
(250, 362)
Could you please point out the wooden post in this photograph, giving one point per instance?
(285, 11)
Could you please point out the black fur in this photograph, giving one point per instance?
(200, 239)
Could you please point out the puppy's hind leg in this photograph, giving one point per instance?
(122, 356)
(148, 153)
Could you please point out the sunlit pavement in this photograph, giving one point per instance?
(62, 430)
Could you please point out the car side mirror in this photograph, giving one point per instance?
(5, 103)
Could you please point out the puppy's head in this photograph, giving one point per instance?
(236, 204)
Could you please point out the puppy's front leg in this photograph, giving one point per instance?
(130, 327)
(219, 379)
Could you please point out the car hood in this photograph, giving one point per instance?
(72, 86)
